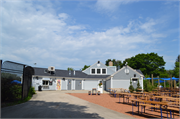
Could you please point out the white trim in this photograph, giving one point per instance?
(122, 80)
(111, 83)
(142, 82)
(66, 84)
(122, 69)
(82, 84)
(45, 80)
(96, 65)
(102, 71)
(69, 77)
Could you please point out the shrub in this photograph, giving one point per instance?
(148, 86)
(131, 88)
(10, 91)
(138, 86)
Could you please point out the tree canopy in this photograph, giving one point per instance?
(10, 76)
(116, 63)
(176, 68)
(69, 68)
(85, 67)
(149, 63)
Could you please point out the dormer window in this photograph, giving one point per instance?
(98, 71)
(104, 71)
(93, 71)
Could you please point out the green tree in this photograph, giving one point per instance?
(170, 73)
(10, 76)
(116, 63)
(85, 67)
(164, 74)
(149, 63)
(176, 68)
(69, 68)
(107, 62)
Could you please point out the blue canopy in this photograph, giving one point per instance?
(147, 78)
(160, 81)
(173, 78)
(16, 81)
(170, 78)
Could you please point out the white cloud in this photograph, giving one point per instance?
(111, 5)
(148, 26)
(63, 16)
(44, 37)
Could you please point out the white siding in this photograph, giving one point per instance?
(89, 84)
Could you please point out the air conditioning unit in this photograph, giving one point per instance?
(51, 68)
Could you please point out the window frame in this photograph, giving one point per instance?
(99, 70)
(105, 71)
(47, 84)
(94, 71)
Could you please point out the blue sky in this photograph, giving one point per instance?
(76, 33)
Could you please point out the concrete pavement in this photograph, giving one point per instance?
(57, 104)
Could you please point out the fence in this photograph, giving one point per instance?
(18, 71)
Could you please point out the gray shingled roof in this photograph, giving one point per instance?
(138, 70)
(65, 73)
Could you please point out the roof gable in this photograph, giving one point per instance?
(135, 70)
(96, 66)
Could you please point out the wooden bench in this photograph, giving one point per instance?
(148, 105)
(173, 109)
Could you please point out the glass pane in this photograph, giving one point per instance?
(93, 71)
(104, 71)
(98, 71)
(43, 82)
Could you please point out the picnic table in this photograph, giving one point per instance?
(166, 97)
(167, 105)
(176, 95)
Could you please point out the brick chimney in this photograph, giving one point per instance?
(110, 63)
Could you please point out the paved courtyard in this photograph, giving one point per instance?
(58, 104)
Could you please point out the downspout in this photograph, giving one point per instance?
(111, 82)
(142, 82)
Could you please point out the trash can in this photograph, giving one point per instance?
(40, 88)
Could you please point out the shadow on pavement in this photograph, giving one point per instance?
(42, 109)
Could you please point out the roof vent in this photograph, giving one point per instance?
(98, 62)
(51, 68)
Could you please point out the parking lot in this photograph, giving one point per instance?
(58, 104)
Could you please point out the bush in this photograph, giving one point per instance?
(131, 88)
(138, 87)
(148, 86)
(10, 91)
(31, 91)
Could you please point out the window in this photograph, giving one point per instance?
(134, 75)
(104, 71)
(98, 71)
(93, 71)
(50, 82)
(45, 82)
